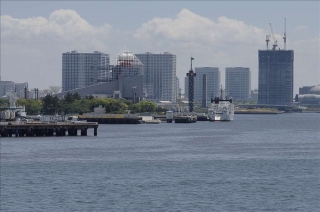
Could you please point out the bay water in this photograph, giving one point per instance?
(254, 163)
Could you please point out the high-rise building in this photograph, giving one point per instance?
(83, 69)
(276, 77)
(238, 83)
(20, 89)
(159, 76)
(213, 83)
(6, 86)
(17, 88)
(177, 87)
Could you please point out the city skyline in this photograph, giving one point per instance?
(36, 38)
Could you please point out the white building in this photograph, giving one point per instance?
(238, 83)
(83, 69)
(213, 83)
(159, 76)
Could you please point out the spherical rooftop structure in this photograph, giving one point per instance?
(315, 90)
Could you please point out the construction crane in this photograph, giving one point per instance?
(285, 34)
(267, 40)
(274, 39)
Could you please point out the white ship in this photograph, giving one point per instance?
(221, 109)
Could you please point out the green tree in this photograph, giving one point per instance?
(96, 102)
(33, 107)
(4, 102)
(143, 106)
(79, 106)
(147, 106)
(50, 104)
(111, 105)
(114, 106)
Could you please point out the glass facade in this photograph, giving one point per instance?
(238, 83)
(83, 69)
(159, 76)
(213, 83)
(276, 77)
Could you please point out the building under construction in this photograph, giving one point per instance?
(276, 74)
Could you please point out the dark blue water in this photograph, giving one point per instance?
(254, 163)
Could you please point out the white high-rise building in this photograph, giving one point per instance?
(159, 76)
(238, 83)
(213, 83)
(83, 69)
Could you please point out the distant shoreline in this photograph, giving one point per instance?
(259, 112)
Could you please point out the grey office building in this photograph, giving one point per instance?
(212, 80)
(83, 69)
(159, 76)
(276, 77)
(6, 86)
(18, 88)
(238, 83)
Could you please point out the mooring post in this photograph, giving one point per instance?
(83, 131)
(95, 131)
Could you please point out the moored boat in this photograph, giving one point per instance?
(221, 109)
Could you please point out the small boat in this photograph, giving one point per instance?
(75, 119)
(154, 121)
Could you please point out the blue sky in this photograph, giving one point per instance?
(126, 18)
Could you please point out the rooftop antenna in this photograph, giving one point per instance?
(285, 34)
(274, 40)
(267, 40)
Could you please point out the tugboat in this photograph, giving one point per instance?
(221, 109)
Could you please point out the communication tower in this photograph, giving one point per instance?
(191, 76)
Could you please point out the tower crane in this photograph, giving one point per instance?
(267, 40)
(274, 40)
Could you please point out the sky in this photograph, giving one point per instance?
(34, 34)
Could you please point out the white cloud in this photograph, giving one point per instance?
(189, 27)
(31, 49)
(223, 43)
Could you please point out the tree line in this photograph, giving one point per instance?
(73, 103)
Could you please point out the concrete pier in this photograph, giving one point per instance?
(39, 129)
